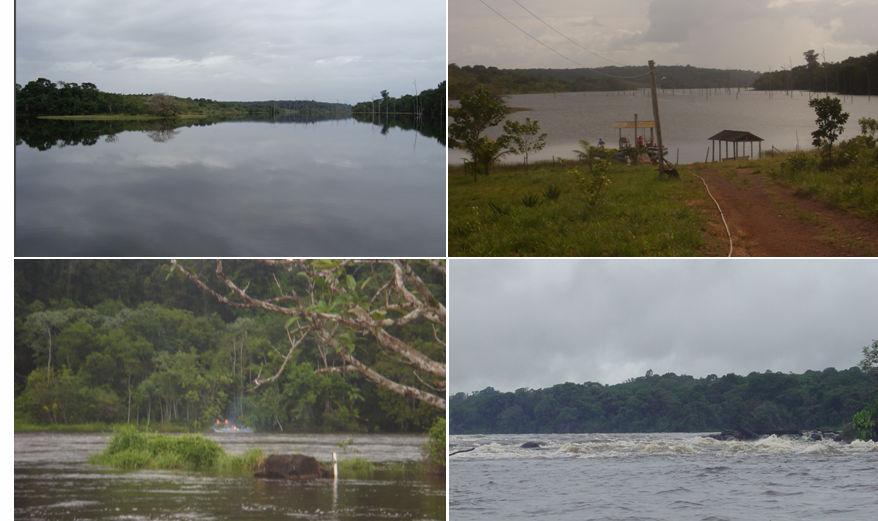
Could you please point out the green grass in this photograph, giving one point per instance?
(360, 468)
(639, 214)
(852, 187)
(130, 449)
(21, 426)
(121, 117)
(26, 426)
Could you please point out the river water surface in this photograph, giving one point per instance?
(688, 118)
(236, 188)
(661, 476)
(53, 481)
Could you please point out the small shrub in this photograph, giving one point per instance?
(552, 193)
(864, 424)
(592, 185)
(530, 200)
(797, 162)
(435, 446)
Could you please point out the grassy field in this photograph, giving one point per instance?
(852, 187)
(121, 117)
(512, 212)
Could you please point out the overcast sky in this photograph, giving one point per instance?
(534, 323)
(743, 34)
(235, 49)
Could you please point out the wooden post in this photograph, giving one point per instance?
(655, 114)
(635, 130)
(713, 150)
(760, 150)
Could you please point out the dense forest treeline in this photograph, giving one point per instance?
(135, 341)
(523, 81)
(429, 105)
(759, 402)
(44, 97)
(854, 76)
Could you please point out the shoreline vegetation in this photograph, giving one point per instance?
(856, 75)
(120, 117)
(102, 342)
(133, 449)
(828, 400)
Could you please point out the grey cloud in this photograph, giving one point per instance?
(344, 50)
(752, 34)
(537, 323)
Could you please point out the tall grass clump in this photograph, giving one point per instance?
(130, 449)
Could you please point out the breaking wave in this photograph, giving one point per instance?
(639, 445)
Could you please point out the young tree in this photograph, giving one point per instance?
(524, 138)
(830, 122)
(478, 111)
(869, 363)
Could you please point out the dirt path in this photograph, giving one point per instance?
(767, 219)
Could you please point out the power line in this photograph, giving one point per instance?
(559, 53)
(569, 39)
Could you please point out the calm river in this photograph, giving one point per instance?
(661, 476)
(238, 188)
(688, 119)
(53, 481)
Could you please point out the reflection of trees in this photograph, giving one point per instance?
(426, 127)
(162, 135)
(44, 134)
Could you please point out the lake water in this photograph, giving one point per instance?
(237, 188)
(661, 476)
(688, 118)
(53, 481)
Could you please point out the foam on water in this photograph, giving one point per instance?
(633, 445)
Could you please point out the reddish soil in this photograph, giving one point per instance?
(768, 219)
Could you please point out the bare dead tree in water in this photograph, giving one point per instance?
(337, 301)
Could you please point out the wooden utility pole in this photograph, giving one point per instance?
(655, 116)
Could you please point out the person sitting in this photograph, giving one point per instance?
(640, 142)
(601, 142)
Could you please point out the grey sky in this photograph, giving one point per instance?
(235, 49)
(536, 323)
(746, 34)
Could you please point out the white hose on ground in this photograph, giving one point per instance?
(721, 214)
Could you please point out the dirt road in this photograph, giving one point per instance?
(768, 219)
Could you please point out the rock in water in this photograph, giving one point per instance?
(291, 466)
(530, 445)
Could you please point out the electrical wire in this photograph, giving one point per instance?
(569, 39)
(556, 51)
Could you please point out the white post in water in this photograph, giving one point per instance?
(334, 466)
(334, 482)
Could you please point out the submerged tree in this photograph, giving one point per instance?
(356, 313)
(524, 137)
(478, 111)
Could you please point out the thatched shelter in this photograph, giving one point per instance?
(734, 137)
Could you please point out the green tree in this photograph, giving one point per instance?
(478, 111)
(830, 122)
(524, 138)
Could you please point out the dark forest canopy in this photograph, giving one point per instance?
(44, 97)
(117, 341)
(523, 81)
(429, 104)
(763, 402)
(855, 75)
